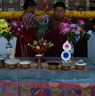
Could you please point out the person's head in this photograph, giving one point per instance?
(59, 9)
(29, 5)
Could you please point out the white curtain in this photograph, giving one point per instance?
(91, 47)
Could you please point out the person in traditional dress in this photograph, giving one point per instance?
(81, 47)
(53, 33)
(25, 30)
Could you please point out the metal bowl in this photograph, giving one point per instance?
(53, 65)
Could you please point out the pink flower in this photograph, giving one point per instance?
(22, 26)
(71, 30)
(73, 25)
(66, 25)
(64, 28)
(81, 22)
(78, 28)
(19, 29)
(14, 23)
(77, 32)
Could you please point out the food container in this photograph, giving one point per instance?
(53, 65)
(66, 67)
(12, 63)
(79, 66)
(25, 64)
(12, 66)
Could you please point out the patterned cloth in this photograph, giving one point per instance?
(17, 89)
(20, 82)
(29, 20)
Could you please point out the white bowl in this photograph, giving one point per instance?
(25, 64)
(12, 63)
(81, 66)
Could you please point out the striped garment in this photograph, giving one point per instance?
(29, 20)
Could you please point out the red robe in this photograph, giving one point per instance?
(22, 48)
(54, 35)
(25, 36)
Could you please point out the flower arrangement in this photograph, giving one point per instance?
(5, 30)
(41, 46)
(73, 32)
(41, 25)
(16, 27)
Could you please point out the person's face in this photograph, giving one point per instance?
(59, 12)
(31, 9)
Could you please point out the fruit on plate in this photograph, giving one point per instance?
(40, 46)
(35, 42)
(37, 47)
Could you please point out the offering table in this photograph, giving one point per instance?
(46, 82)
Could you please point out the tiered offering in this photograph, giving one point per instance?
(40, 47)
(66, 56)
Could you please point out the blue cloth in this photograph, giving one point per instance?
(45, 75)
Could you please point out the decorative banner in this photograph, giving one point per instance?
(10, 5)
(46, 5)
(14, 9)
(77, 14)
(16, 5)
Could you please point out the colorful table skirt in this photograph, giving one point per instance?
(44, 82)
(30, 82)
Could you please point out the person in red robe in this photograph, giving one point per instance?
(53, 33)
(25, 32)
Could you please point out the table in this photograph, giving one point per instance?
(44, 82)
